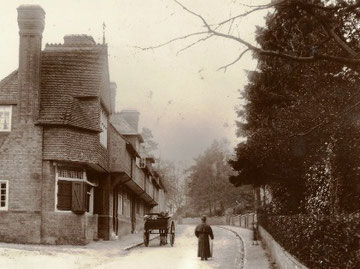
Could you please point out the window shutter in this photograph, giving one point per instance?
(64, 195)
(78, 204)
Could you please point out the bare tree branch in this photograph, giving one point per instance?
(210, 32)
(172, 40)
(195, 14)
(256, 8)
(233, 62)
(311, 58)
(194, 43)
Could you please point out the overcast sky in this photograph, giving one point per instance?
(182, 98)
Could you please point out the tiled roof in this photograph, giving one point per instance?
(9, 89)
(123, 127)
(68, 75)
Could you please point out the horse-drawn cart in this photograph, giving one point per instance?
(159, 223)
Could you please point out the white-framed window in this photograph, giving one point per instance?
(69, 197)
(104, 127)
(5, 118)
(4, 194)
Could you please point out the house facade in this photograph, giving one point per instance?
(68, 172)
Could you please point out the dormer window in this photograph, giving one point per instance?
(5, 118)
(104, 127)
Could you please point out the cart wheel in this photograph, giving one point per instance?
(172, 234)
(146, 238)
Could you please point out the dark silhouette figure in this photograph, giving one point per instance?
(203, 231)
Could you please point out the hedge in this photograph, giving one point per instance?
(318, 241)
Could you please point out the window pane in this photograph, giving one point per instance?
(74, 173)
(2, 203)
(5, 118)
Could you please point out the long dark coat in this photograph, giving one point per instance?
(203, 231)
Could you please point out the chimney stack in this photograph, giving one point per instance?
(132, 117)
(31, 25)
(113, 88)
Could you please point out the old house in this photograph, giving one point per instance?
(67, 174)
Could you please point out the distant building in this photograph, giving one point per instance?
(67, 173)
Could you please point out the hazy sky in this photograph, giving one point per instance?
(182, 98)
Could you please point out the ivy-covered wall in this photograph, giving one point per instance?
(318, 241)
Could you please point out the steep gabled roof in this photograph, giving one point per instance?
(69, 75)
(123, 127)
(9, 88)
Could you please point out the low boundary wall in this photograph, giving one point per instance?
(282, 258)
(244, 221)
(209, 220)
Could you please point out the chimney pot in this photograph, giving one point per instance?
(31, 19)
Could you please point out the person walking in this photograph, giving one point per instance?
(203, 231)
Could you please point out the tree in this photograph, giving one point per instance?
(294, 111)
(208, 187)
(149, 144)
(173, 176)
(315, 45)
(335, 22)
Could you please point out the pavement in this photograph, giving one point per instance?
(255, 256)
(183, 255)
(233, 248)
(32, 256)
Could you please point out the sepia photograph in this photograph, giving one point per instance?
(180, 134)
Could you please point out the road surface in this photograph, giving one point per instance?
(183, 255)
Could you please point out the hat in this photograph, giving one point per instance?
(203, 218)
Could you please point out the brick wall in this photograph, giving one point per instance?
(20, 227)
(21, 165)
(63, 227)
(68, 228)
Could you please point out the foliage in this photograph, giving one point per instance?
(292, 110)
(149, 143)
(208, 187)
(318, 241)
(173, 177)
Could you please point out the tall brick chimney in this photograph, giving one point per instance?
(132, 117)
(31, 25)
